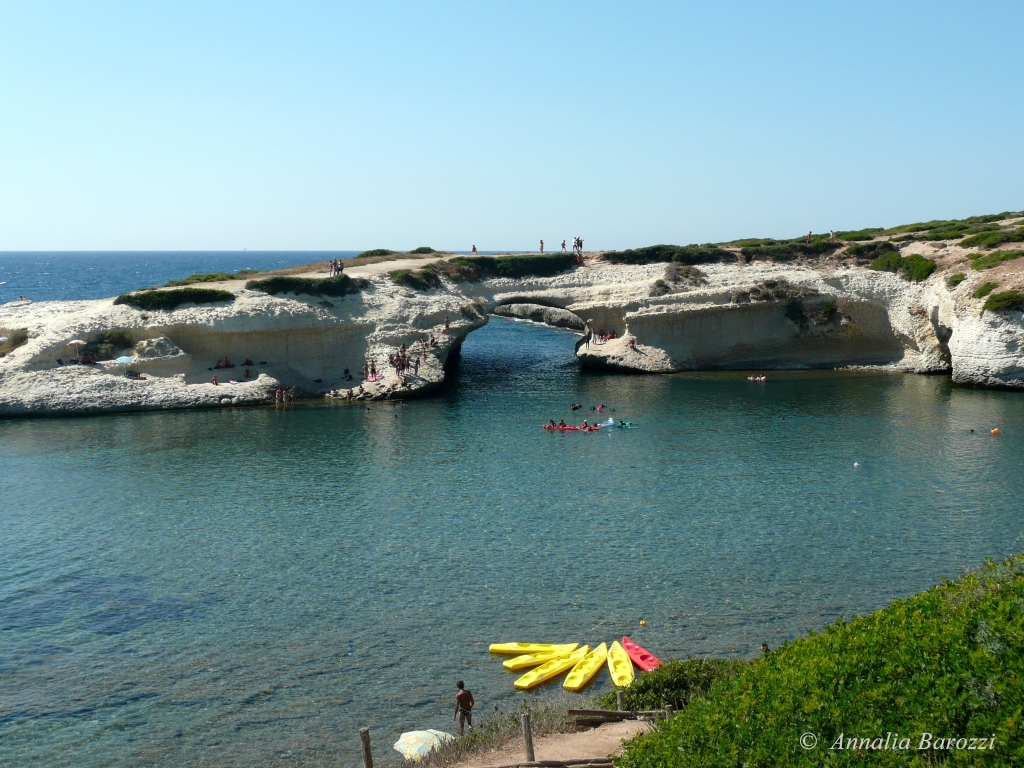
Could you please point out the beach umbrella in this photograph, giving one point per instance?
(76, 343)
(415, 745)
(124, 362)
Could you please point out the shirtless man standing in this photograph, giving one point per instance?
(463, 707)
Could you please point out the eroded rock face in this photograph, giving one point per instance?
(553, 316)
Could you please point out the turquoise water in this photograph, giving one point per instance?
(249, 587)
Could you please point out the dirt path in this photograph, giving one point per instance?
(603, 741)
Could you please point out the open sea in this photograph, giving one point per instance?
(249, 587)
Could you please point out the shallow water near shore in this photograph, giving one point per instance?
(249, 587)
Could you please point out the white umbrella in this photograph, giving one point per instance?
(76, 343)
(124, 362)
(415, 745)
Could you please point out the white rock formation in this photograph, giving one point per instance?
(827, 317)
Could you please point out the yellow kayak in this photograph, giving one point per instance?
(517, 648)
(536, 659)
(550, 669)
(620, 666)
(587, 667)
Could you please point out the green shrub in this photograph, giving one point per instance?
(949, 661)
(1004, 301)
(860, 234)
(954, 280)
(308, 286)
(994, 259)
(108, 344)
(871, 250)
(514, 266)
(680, 254)
(423, 249)
(792, 249)
(992, 239)
(675, 682)
(15, 338)
(207, 277)
(153, 300)
(984, 290)
(962, 226)
(913, 267)
(421, 280)
(375, 252)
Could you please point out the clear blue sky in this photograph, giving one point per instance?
(219, 125)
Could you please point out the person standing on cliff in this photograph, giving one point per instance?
(463, 707)
(809, 236)
(542, 246)
(563, 246)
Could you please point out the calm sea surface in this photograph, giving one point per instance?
(249, 587)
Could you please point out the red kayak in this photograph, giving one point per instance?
(643, 658)
(571, 429)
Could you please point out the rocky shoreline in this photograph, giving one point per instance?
(636, 318)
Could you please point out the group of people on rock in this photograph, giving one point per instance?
(402, 363)
(336, 267)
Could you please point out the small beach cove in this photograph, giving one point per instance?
(250, 585)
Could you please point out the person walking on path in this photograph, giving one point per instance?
(809, 236)
(463, 707)
(563, 246)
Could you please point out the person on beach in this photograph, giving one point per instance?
(463, 707)
(215, 382)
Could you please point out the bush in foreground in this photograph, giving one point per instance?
(205, 277)
(545, 265)
(948, 662)
(155, 300)
(308, 286)
(674, 682)
(1005, 301)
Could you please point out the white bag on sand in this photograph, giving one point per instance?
(415, 745)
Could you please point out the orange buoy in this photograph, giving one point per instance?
(994, 431)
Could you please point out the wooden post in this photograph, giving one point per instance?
(669, 711)
(364, 737)
(620, 701)
(528, 737)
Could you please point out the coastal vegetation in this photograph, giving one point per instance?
(871, 250)
(423, 249)
(994, 259)
(951, 229)
(211, 277)
(787, 250)
(992, 239)
(679, 254)
(339, 285)
(375, 252)
(1004, 301)
(108, 344)
(467, 269)
(675, 682)
(913, 267)
(14, 339)
(954, 280)
(153, 299)
(948, 662)
(984, 290)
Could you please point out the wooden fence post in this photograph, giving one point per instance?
(620, 701)
(669, 711)
(364, 737)
(528, 737)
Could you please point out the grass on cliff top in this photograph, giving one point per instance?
(339, 285)
(15, 337)
(677, 254)
(913, 267)
(211, 277)
(984, 290)
(954, 280)
(992, 239)
(497, 730)
(994, 259)
(949, 662)
(155, 300)
(1005, 301)
(468, 269)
